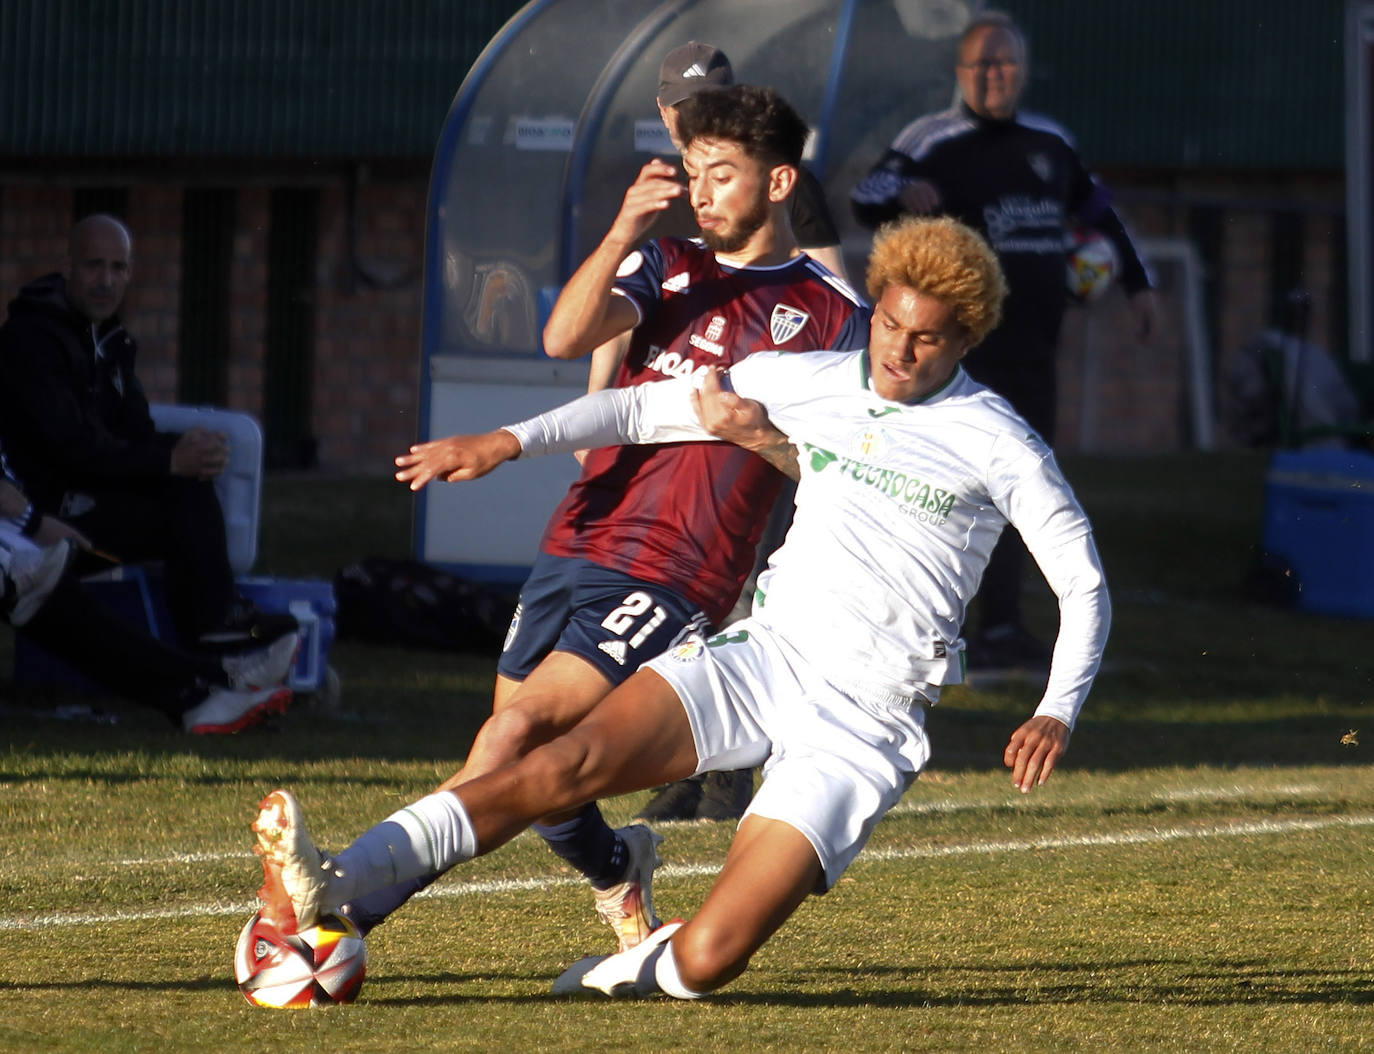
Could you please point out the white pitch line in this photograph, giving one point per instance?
(1152, 836)
(1233, 793)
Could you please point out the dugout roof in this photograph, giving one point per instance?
(559, 113)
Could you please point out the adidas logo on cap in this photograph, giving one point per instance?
(694, 70)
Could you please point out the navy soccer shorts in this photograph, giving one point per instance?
(610, 619)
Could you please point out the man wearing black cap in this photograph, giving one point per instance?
(695, 67)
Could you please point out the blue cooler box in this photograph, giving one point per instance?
(1319, 519)
(313, 603)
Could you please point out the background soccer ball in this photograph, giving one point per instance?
(315, 967)
(1092, 264)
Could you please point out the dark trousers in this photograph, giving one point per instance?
(179, 522)
(75, 627)
(1032, 388)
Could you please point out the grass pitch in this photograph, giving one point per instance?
(1196, 876)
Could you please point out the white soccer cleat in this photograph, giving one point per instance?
(619, 975)
(35, 574)
(265, 667)
(628, 906)
(295, 879)
(224, 711)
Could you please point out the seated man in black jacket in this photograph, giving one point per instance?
(76, 426)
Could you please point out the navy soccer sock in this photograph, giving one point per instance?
(588, 843)
(371, 910)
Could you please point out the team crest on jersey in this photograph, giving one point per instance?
(688, 650)
(870, 442)
(786, 323)
(1040, 165)
(710, 340)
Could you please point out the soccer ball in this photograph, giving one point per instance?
(315, 967)
(1092, 264)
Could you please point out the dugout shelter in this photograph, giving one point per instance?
(547, 130)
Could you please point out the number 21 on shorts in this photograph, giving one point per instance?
(630, 613)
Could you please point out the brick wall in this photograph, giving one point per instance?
(1118, 395)
(153, 307)
(367, 324)
(367, 337)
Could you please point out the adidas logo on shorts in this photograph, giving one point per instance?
(615, 649)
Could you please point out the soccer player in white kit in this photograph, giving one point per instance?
(909, 472)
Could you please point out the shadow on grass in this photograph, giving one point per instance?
(1185, 983)
(1181, 983)
(1212, 984)
(974, 740)
(963, 740)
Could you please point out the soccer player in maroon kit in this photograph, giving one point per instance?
(653, 540)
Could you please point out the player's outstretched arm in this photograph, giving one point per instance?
(1034, 750)
(456, 458)
(744, 422)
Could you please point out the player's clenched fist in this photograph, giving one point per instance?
(456, 458)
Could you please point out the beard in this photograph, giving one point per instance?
(733, 239)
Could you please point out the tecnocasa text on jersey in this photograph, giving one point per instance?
(914, 496)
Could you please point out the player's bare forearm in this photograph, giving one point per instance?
(456, 458)
(743, 422)
(586, 313)
(782, 455)
(1034, 750)
(606, 360)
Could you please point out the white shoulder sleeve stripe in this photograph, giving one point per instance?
(835, 282)
(925, 133)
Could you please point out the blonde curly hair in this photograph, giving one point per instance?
(943, 258)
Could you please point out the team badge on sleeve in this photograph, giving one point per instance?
(688, 650)
(786, 323)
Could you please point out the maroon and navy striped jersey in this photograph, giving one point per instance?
(689, 515)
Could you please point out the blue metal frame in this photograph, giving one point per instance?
(843, 29)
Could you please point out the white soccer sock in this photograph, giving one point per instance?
(665, 973)
(425, 838)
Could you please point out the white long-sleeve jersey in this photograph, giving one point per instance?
(898, 509)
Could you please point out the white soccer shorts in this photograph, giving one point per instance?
(832, 764)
